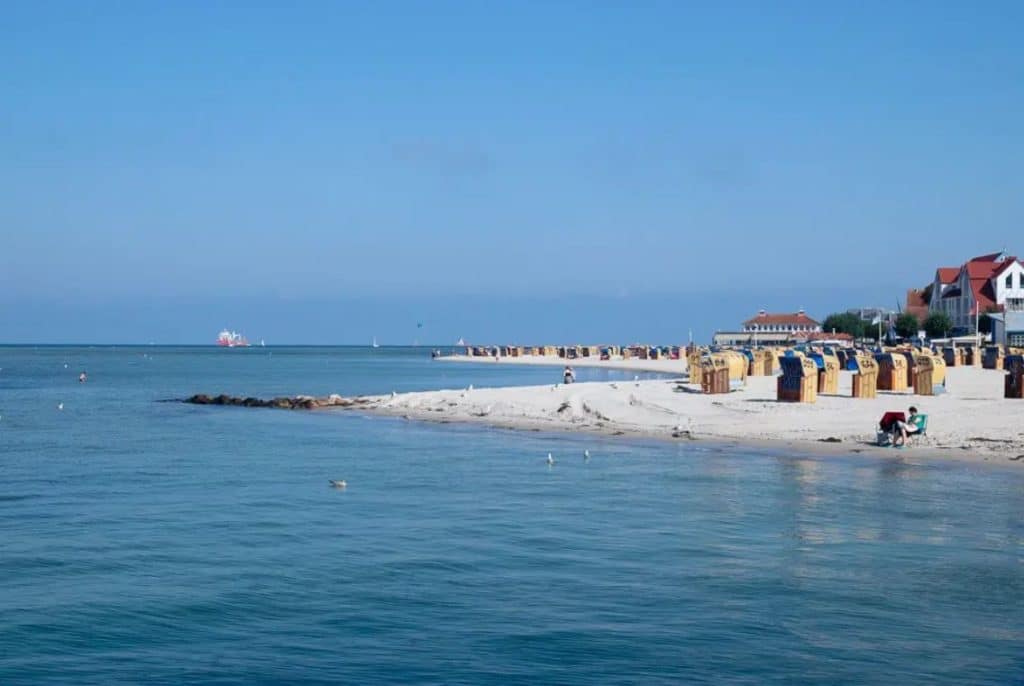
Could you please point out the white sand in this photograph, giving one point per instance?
(970, 421)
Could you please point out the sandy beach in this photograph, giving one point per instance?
(971, 421)
(664, 365)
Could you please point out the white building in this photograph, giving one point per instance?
(987, 283)
(782, 323)
(772, 329)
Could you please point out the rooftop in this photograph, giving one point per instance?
(795, 319)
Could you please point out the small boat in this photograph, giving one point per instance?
(460, 342)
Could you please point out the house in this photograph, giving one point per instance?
(988, 283)
(770, 329)
(917, 303)
(778, 323)
(1008, 328)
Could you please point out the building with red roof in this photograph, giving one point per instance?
(791, 323)
(987, 283)
(768, 328)
(917, 303)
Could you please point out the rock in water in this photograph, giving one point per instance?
(299, 402)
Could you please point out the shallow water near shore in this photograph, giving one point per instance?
(167, 543)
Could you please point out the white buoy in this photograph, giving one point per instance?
(60, 406)
(338, 483)
(551, 459)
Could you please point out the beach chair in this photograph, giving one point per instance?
(921, 422)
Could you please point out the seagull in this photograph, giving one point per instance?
(60, 406)
(551, 460)
(338, 483)
(586, 455)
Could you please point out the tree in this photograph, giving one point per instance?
(984, 321)
(907, 325)
(937, 325)
(844, 322)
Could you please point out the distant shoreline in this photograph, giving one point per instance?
(666, 366)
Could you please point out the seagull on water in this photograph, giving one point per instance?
(586, 455)
(551, 460)
(338, 483)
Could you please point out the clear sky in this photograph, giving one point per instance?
(580, 170)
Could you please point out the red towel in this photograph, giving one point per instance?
(890, 418)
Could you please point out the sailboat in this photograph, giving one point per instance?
(460, 342)
(374, 344)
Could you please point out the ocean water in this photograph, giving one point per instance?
(152, 542)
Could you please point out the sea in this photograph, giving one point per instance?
(146, 541)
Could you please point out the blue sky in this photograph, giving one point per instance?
(632, 170)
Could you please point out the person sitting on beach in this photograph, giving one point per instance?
(902, 429)
(568, 376)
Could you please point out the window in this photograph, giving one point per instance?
(1020, 279)
(1015, 339)
(1009, 280)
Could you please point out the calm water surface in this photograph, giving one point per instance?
(162, 543)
